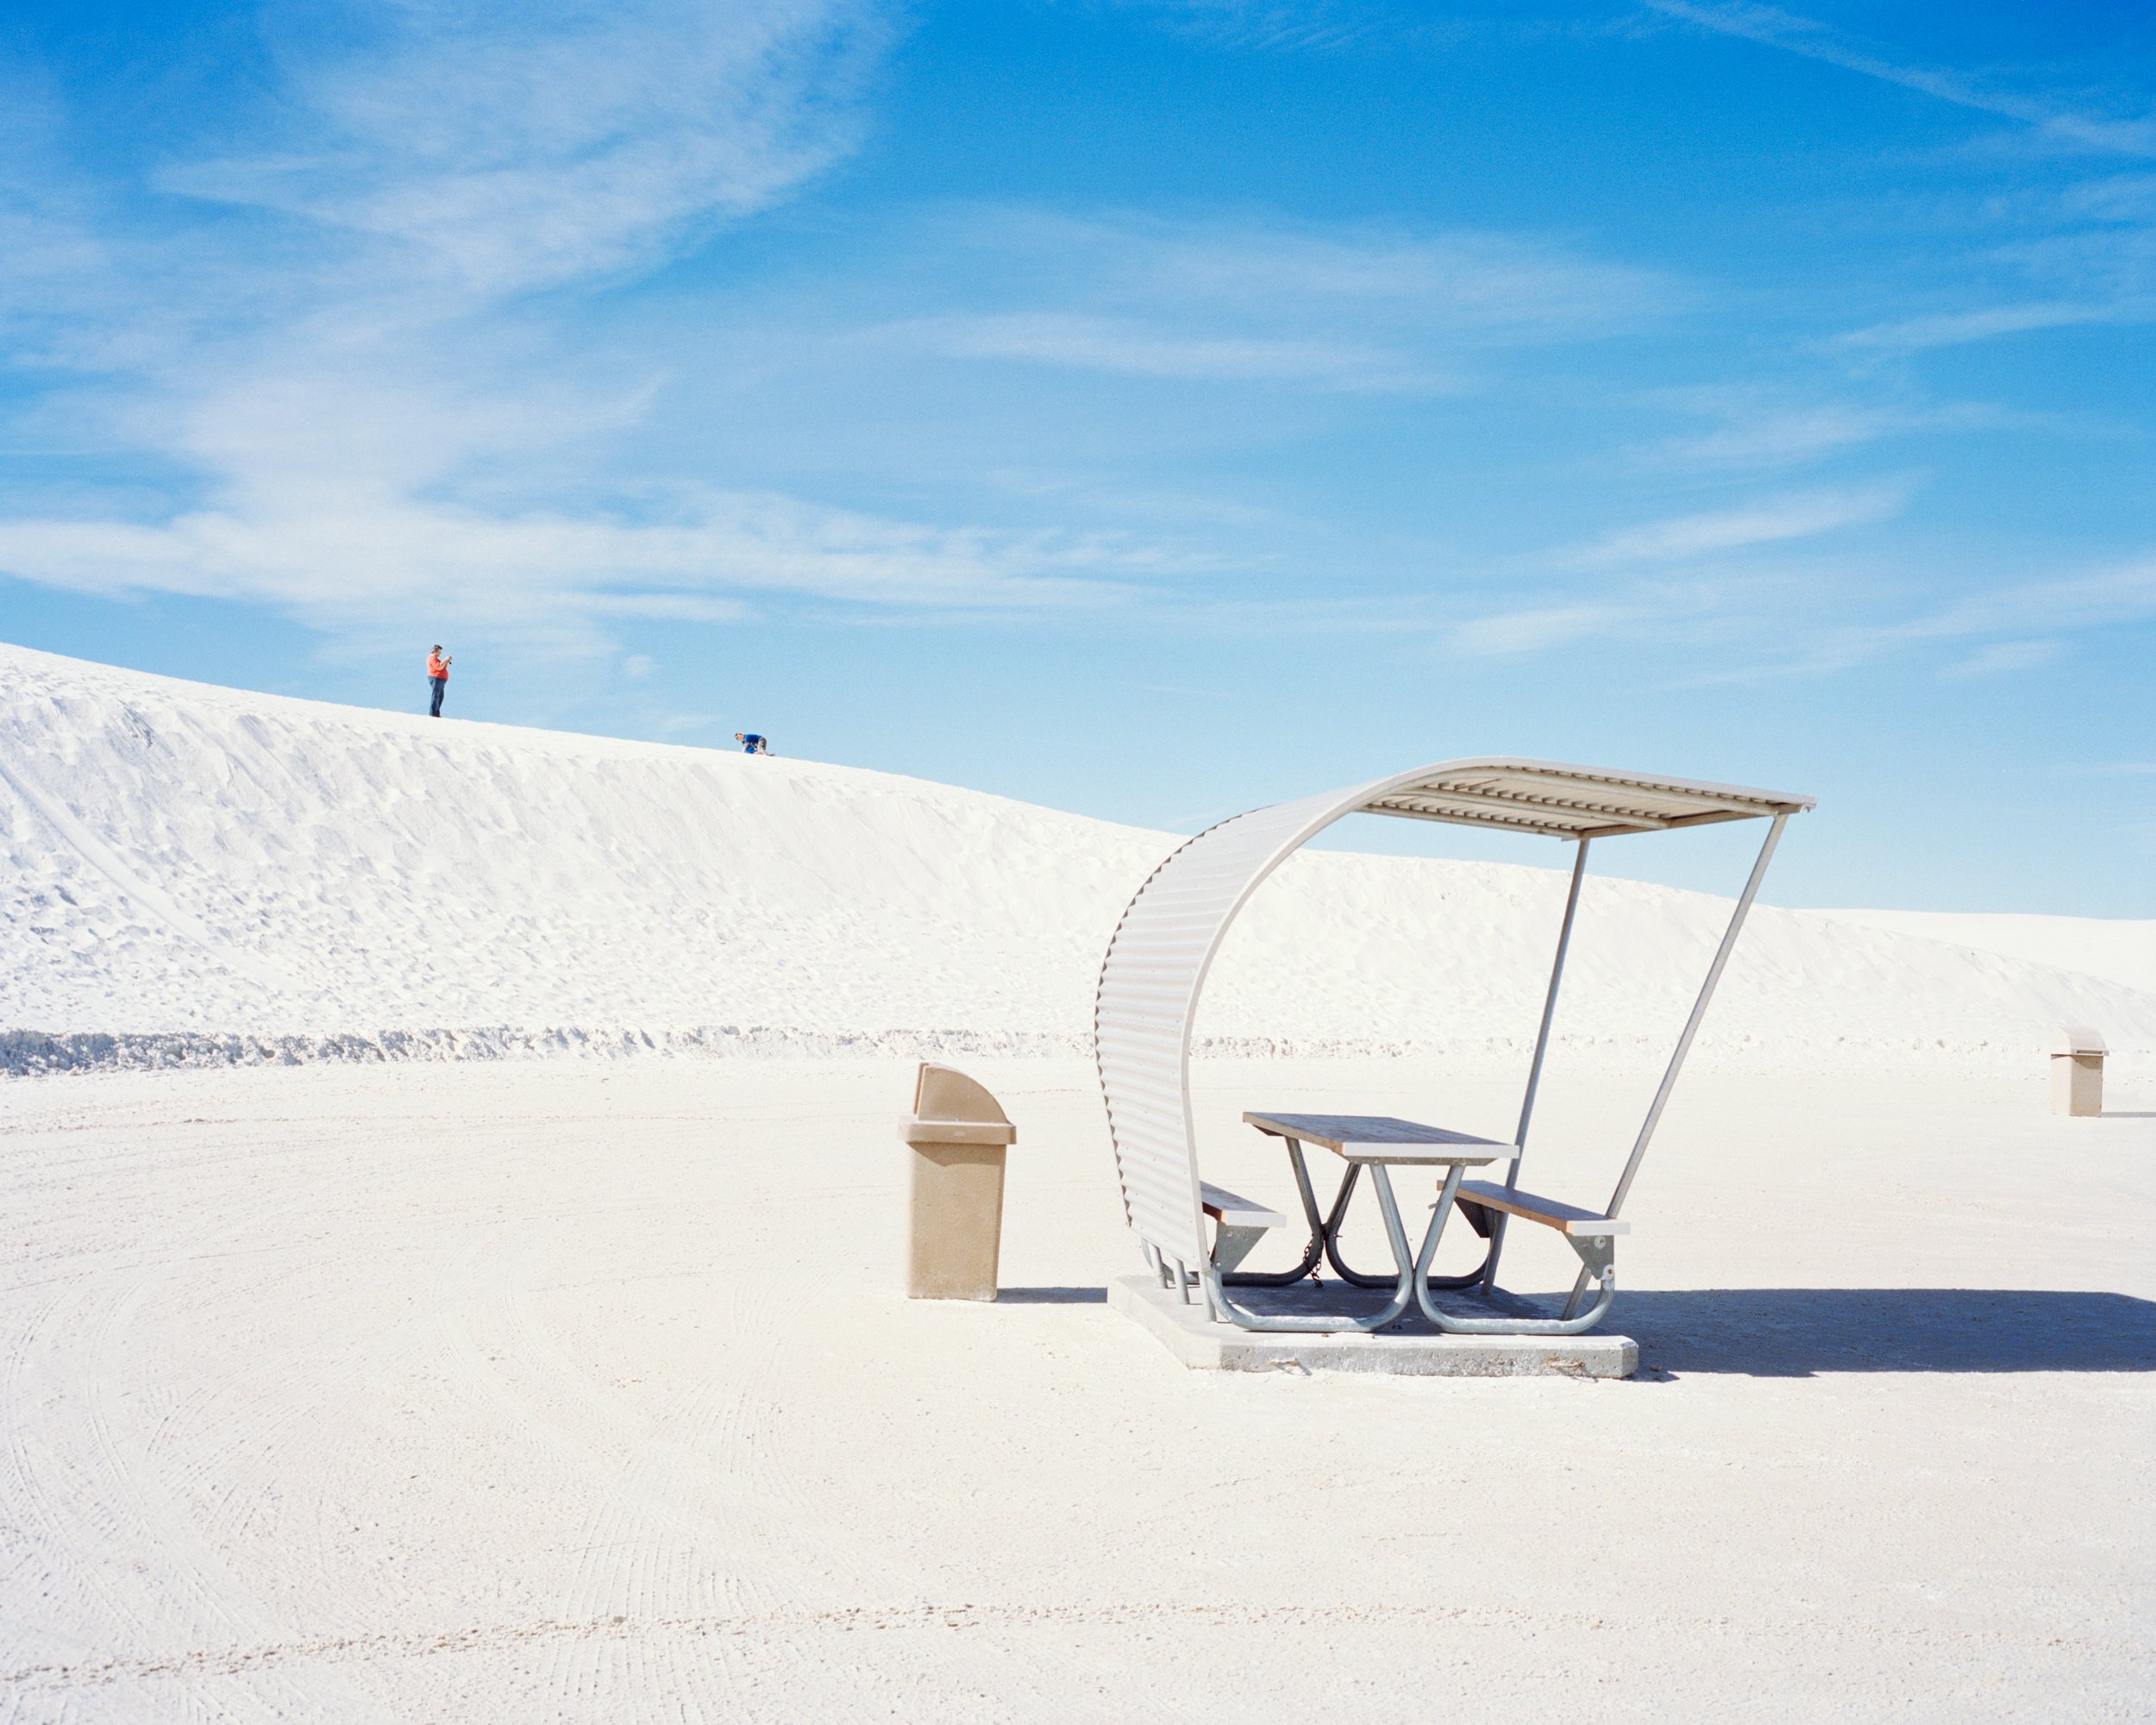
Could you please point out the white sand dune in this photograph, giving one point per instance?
(2118, 949)
(198, 873)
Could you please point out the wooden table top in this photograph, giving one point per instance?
(1383, 1137)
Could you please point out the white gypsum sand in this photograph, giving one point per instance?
(199, 875)
(2124, 951)
(585, 1392)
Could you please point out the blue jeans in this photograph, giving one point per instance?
(439, 684)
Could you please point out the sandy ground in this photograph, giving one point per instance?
(582, 1391)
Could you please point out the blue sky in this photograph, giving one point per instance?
(1151, 410)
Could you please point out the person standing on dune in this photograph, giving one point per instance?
(438, 674)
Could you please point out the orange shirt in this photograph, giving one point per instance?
(435, 666)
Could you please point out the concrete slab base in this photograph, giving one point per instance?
(1412, 1348)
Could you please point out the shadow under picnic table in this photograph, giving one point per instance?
(1052, 1297)
(1796, 1332)
(1801, 1331)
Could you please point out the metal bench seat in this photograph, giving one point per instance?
(1478, 1198)
(1239, 1223)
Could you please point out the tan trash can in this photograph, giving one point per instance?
(958, 1135)
(2077, 1071)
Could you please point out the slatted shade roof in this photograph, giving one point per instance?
(1563, 801)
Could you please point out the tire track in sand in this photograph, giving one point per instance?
(1795, 1630)
(492, 1343)
(106, 1518)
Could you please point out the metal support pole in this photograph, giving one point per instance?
(1534, 1069)
(1312, 1254)
(1684, 1041)
(1403, 1295)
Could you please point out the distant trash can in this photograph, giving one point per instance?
(2077, 1071)
(958, 1133)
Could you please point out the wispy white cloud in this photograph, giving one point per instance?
(1263, 24)
(1768, 521)
(2123, 198)
(355, 370)
(356, 358)
(1750, 625)
(1952, 329)
(55, 268)
(1774, 437)
(377, 427)
(495, 150)
(1494, 283)
(2123, 594)
(1534, 630)
(2001, 658)
(1523, 287)
(1717, 610)
(1352, 307)
(1757, 432)
(2017, 626)
(1135, 348)
(337, 553)
(2084, 276)
(1772, 26)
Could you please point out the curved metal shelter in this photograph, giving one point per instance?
(1155, 970)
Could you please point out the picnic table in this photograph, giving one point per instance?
(1380, 1143)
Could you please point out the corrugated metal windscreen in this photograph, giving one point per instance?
(1149, 988)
